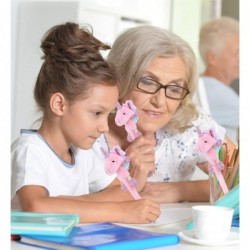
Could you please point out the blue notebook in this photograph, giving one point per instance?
(104, 236)
(42, 223)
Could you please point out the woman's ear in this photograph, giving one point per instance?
(57, 103)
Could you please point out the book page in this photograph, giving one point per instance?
(169, 216)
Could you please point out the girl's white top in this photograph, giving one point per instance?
(35, 163)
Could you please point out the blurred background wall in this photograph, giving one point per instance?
(32, 18)
(231, 8)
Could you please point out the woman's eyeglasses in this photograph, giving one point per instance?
(172, 90)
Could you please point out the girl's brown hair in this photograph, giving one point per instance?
(72, 64)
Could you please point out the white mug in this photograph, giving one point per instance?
(212, 223)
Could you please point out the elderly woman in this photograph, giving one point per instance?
(157, 71)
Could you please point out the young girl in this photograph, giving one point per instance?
(76, 90)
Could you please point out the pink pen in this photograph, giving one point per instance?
(207, 143)
(117, 163)
(127, 115)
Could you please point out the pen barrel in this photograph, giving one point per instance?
(220, 182)
(131, 189)
(220, 179)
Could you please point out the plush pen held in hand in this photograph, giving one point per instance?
(207, 144)
(127, 115)
(117, 163)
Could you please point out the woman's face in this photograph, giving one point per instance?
(156, 110)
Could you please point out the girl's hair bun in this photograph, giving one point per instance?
(71, 43)
(72, 64)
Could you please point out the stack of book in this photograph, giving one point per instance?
(57, 231)
(27, 223)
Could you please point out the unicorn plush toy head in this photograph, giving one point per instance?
(207, 140)
(125, 112)
(115, 159)
(208, 143)
(118, 163)
(127, 115)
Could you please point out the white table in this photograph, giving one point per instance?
(168, 228)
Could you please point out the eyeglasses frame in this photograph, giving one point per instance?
(161, 86)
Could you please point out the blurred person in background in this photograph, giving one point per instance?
(219, 49)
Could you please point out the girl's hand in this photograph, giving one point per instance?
(142, 159)
(140, 211)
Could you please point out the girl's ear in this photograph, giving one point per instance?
(57, 103)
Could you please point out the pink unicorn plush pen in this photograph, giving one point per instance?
(117, 163)
(207, 144)
(127, 115)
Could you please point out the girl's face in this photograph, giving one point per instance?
(155, 110)
(85, 120)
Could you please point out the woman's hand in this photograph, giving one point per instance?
(203, 166)
(142, 158)
(165, 192)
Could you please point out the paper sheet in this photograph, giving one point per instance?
(173, 215)
(170, 215)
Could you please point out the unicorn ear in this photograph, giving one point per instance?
(131, 105)
(118, 105)
(199, 132)
(116, 149)
(212, 133)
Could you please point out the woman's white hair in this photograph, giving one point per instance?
(135, 49)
